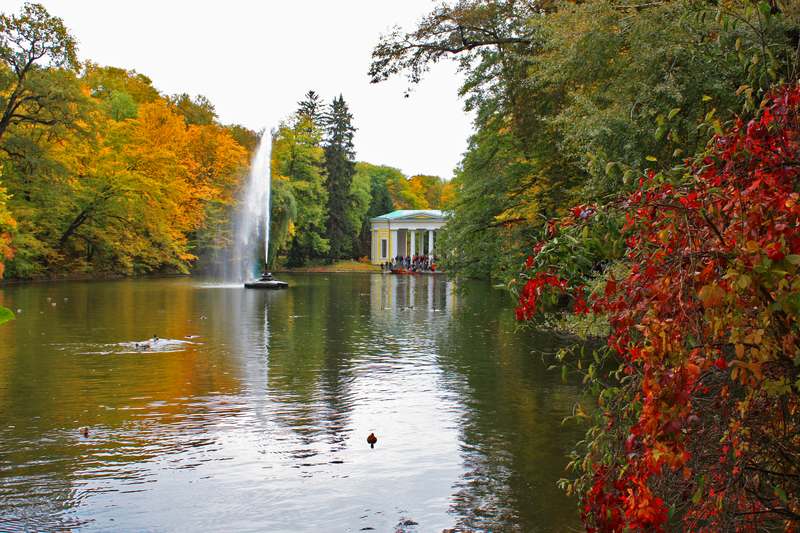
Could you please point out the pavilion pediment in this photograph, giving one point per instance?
(412, 215)
(419, 217)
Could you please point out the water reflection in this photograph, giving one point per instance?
(261, 423)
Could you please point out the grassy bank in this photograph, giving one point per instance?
(338, 266)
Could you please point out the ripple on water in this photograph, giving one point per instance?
(264, 425)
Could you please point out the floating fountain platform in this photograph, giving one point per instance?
(266, 281)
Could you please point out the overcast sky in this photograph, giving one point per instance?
(256, 59)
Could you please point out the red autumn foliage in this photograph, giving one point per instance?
(532, 291)
(706, 325)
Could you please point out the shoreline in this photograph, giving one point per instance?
(87, 277)
(356, 268)
(342, 267)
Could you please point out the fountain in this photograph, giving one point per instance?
(253, 217)
(266, 281)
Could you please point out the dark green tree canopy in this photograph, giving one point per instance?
(197, 110)
(381, 199)
(340, 167)
(244, 136)
(339, 130)
(298, 156)
(121, 106)
(311, 106)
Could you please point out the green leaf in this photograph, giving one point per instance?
(699, 492)
(706, 98)
(610, 168)
(765, 9)
(780, 493)
(6, 315)
(743, 282)
(651, 158)
(628, 176)
(673, 112)
(793, 259)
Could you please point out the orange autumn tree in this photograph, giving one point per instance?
(699, 426)
(220, 165)
(124, 192)
(103, 172)
(139, 188)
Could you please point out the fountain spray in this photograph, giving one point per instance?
(253, 217)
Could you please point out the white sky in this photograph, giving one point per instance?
(255, 59)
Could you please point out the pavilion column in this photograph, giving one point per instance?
(393, 244)
(430, 243)
(413, 242)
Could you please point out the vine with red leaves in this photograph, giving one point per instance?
(701, 431)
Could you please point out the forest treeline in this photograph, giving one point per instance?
(322, 198)
(634, 175)
(575, 100)
(101, 173)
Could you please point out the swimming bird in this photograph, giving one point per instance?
(85, 432)
(372, 439)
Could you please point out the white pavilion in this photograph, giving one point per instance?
(405, 233)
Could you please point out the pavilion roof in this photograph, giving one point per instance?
(412, 214)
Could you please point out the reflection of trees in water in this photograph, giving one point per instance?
(310, 369)
(293, 365)
(138, 407)
(511, 427)
(328, 328)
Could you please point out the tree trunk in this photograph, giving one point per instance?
(82, 217)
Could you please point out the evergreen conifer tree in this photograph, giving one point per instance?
(311, 107)
(340, 167)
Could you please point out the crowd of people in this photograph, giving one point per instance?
(416, 263)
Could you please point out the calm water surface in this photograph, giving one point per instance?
(258, 420)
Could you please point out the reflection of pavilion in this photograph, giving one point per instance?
(405, 233)
(397, 293)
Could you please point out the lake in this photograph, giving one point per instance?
(252, 411)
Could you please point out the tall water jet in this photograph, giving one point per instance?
(251, 227)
